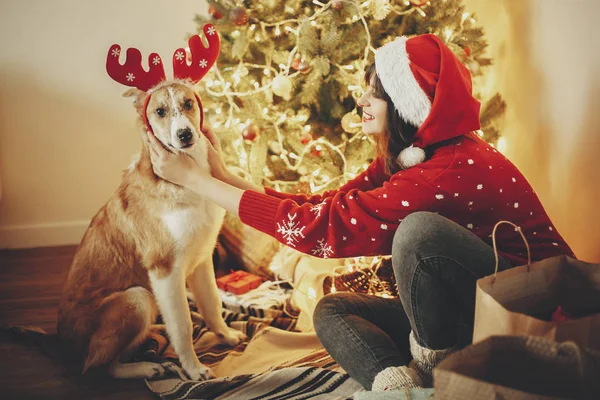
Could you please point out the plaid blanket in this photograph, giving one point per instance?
(277, 362)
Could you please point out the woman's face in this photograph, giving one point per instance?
(374, 120)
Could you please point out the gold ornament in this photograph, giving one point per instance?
(351, 122)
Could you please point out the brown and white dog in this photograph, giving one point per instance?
(144, 244)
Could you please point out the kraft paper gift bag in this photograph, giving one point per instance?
(519, 368)
(557, 298)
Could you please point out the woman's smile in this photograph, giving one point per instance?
(367, 117)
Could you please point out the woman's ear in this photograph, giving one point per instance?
(139, 97)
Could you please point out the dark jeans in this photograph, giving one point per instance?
(436, 264)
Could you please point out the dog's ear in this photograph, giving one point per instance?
(138, 97)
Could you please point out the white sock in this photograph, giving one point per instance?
(396, 378)
(419, 372)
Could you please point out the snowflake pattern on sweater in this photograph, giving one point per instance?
(466, 181)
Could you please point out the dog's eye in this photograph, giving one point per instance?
(188, 104)
(160, 112)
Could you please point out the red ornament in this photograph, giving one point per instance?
(305, 138)
(296, 63)
(304, 67)
(214, 12)
(316, 153)
(467, 50)
(418, 3)
(251, 132)
(337, 5)
(239, 16)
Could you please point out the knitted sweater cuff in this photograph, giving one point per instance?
(258, 211)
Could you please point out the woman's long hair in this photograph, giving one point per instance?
(399, 135)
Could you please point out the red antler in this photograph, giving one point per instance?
(203, 58)
(132, 73)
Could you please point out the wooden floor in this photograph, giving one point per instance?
(30, 285)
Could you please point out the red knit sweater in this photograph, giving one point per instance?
(466, 181)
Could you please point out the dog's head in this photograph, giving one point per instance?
(173, 111)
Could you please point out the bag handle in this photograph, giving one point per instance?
(518, 229)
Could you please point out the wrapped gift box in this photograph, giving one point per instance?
(239, 282)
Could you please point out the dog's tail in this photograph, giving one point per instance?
(33, 336)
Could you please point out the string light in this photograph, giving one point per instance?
(501, 144)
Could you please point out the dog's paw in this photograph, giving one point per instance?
(232, 337)
(158, 371)
(199, 372)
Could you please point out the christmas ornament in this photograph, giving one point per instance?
(337, 5)
(467, 50)
(282, 86)
(304, 67)
(239, 16)
(351, 122)
(251, 133)
(418, 3)
(214, 12)
(274, 147)
(296, 63)
(305, 138)
(315, 152)
(474, 67)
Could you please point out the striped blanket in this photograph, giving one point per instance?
(277, 362)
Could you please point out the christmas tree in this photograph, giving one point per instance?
(282, 96)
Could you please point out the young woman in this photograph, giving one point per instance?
(430, 199)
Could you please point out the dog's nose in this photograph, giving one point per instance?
(185, 135)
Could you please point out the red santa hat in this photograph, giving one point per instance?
(430, 88)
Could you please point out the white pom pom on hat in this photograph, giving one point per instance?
(411, 156)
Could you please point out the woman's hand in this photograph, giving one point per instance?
(215, 159)
(178, 168)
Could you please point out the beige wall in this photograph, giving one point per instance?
(65, 131)
(548, 70)
(65, 134)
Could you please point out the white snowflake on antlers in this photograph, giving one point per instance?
(156, 60)
(179, 55)
(203, 63)
(290, 230)
(130, 77)
(115, 52)
(211, 30)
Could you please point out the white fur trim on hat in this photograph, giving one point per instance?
(393, 69)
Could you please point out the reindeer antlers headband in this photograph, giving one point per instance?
(133, 74)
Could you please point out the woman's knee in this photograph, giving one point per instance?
(330, 305)
(415, 230)
(417, 236)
